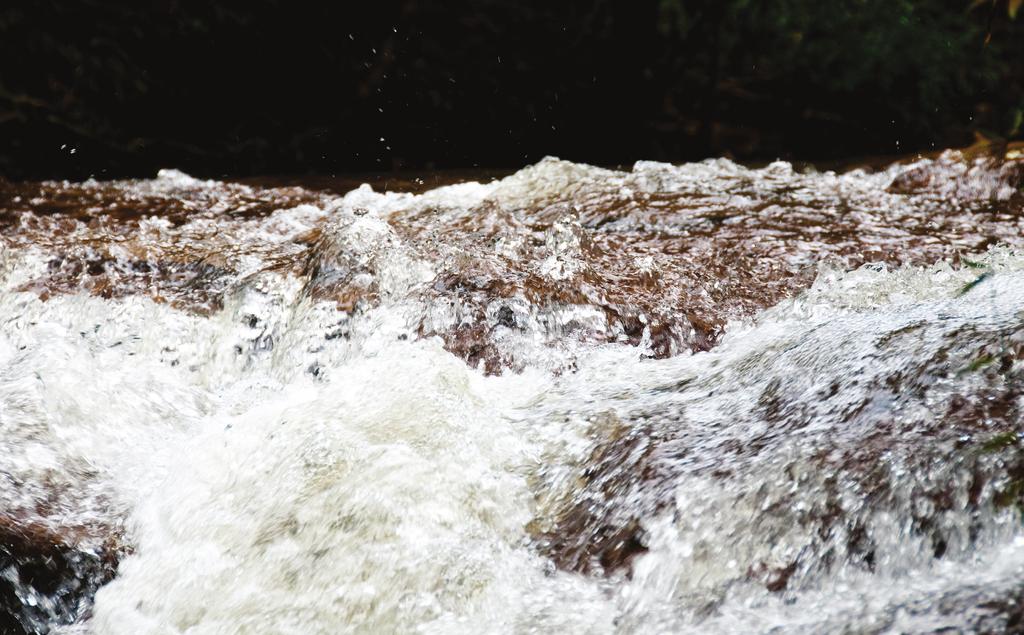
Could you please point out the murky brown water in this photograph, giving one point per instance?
(677, 256)
(539, 269)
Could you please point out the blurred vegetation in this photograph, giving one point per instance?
(98, 88)
(910, 74)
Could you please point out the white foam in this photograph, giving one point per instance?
(391, 490)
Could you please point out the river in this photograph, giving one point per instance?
(702, 398)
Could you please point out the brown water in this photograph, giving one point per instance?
(844, 458)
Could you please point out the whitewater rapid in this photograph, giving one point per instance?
(300, 442)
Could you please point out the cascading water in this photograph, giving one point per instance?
(697, 398)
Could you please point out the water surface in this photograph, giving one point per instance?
(698, 398)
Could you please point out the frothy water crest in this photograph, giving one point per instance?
(477, 409)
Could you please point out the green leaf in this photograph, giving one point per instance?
(970, 285)
(981, 362)
(1000, 441)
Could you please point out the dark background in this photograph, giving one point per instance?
(107, 89)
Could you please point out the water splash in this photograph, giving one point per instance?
(249, 397)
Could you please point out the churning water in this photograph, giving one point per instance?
(699, 399)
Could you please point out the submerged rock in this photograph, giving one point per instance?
(662, 256)
(834, 440)
(49, 574)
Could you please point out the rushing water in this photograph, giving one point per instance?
(699, 398)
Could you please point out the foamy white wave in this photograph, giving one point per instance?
(394, 496)
(358, 504)
(281, 463)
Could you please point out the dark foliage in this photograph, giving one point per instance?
(213, 87)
